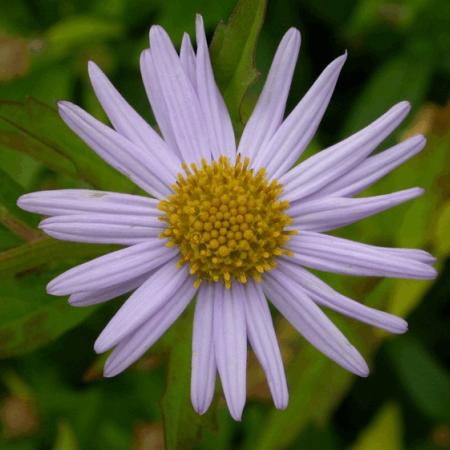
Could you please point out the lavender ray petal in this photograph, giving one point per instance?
(215, 113)
(230, 345)
(157, 101)
(297, 130)
(80, 201)
(128, 122)
(312, 323)
(333, 254)
(134, 345)
(119, 152)
(142, 304)
(94, 297)
(182, 103)
(188, 59)
(262, 338)
(113, 268)
(373, 168)
(103, 228)
(269, 110)
(203, 377)
(324, 295)
(329, 164)
(329, 213)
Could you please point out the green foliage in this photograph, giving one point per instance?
(385, 431)
(397, 50)
(426, 381)
(182, 425)
(233, 53)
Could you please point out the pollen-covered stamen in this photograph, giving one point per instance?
(226, 221)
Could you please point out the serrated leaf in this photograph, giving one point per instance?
(233, 53)
(385, 431)
(55, 145)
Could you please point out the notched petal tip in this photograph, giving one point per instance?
(199, 19)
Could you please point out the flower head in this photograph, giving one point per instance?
(230, 225)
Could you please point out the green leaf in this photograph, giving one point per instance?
(29, 318)
(11, 216)
(40, 132)
(65, 439)
(233, 53)
(384, 432)
(81, 30)
(182, 425)
(44, 251)
(425, 380)
(441, 234)
(391, 83)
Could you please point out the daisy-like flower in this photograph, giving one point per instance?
(232, 225)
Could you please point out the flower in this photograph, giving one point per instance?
(231, 225)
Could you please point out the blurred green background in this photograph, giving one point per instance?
(52, 395)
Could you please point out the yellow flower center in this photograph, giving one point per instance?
(226, 221)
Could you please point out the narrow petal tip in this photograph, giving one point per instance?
(199, 19)
(404, 105)
(22, 201)
(402, 326)
(294, 34)
(281, 404)
(419, 141)
(100, 346)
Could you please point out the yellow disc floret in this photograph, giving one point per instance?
(226, 220)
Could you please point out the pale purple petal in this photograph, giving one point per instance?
(329, 213)
(133, 346)
(188, 60)
(215, 113)
(269, 110)
(230, 345)
(324, 295)
(203, 377)
(157, 100)
(262, 338)
(328, 165)
(128, 122)
(119, 152)
(142, 304)
(373, 168)
(333, 254)
(79, 201)
(94, 228)
(183, 107)
(94, 297)
(312, 323)
(113, 268)
(297, 130)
